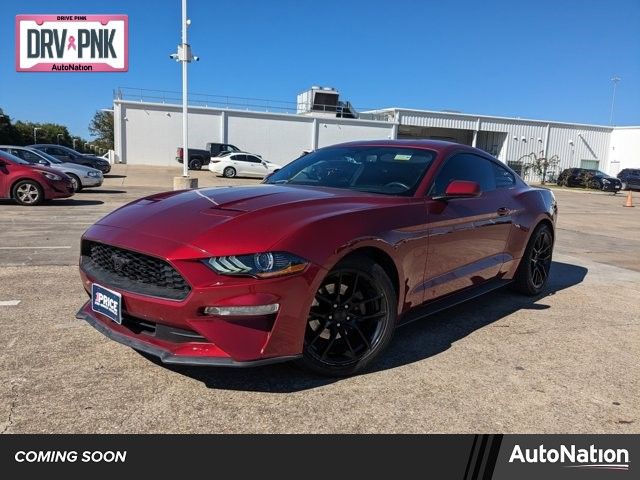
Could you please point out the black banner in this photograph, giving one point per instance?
(466, 457)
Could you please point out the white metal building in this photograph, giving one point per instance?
(148, 130)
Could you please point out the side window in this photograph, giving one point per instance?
(504, 178)
(56, 151)
(240, 158)
(231, 148)
(30, 156)
(465, 166)
(253, 159)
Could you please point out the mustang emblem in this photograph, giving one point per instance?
(119, 262)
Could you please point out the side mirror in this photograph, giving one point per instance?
(460, 189)
(42, 161)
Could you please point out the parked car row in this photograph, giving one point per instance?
(30, 175)
(81, 175)
(588, 178)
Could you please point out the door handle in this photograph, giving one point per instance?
(502, 211)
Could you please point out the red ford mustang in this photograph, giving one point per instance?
(321, 262)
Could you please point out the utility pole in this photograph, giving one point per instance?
(185, 57)
(615, 79)
(35, 134)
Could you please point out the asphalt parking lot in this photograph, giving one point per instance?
(564, 362)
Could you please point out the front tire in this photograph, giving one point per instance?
(351, 320)
(535, 264)
(229, 172)
(75, 182)
(28, 193)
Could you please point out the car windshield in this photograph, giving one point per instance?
(45, 155)
(7, 156)
(389, 170)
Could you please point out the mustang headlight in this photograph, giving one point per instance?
(96, 174)
(51, 176)
(263, 265)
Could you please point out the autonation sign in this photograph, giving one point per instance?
(72, 43)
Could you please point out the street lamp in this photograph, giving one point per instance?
(74, 143)
(184, 56)
(35, 134)
(58, 137)
(615, 79)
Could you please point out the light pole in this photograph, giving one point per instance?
(185, 57)
(615, 79)
(74, 143)
(35, 134)
(58, 137)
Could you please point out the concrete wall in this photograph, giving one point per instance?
(625, 149)
(149, 133)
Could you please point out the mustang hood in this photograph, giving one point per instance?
(222, 221)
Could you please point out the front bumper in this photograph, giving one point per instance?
(612, 187)
(58, 189)
(92, 181)
(221, 340)
(167, 356)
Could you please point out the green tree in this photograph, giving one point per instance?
(101, 127)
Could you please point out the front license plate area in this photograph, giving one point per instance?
(107, 302)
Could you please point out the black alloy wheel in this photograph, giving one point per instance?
(351, 319)
(195, 164)
(535, 265)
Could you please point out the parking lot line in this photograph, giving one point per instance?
(9, 303)
(36, 248)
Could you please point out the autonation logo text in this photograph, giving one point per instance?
(573, 457)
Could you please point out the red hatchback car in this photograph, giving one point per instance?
(30, 184)
(321, 262)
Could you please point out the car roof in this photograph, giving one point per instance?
(428, 144)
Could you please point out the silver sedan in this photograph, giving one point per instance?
(81, 176)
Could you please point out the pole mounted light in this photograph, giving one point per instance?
(58, 137)
(184, 56)
(35, 134)
(615, 79)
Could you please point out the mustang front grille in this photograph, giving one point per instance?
(132, 271)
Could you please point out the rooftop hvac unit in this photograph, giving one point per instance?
(318, 100)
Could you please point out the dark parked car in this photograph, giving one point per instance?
(67, 154)
(200, 157)
(630, 178)
(321, 262)
(29, 184)
(587, 178)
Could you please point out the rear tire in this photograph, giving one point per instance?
(351, 320)
(195, 164)
(28, 193)
(535, 264)
(229, 172)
